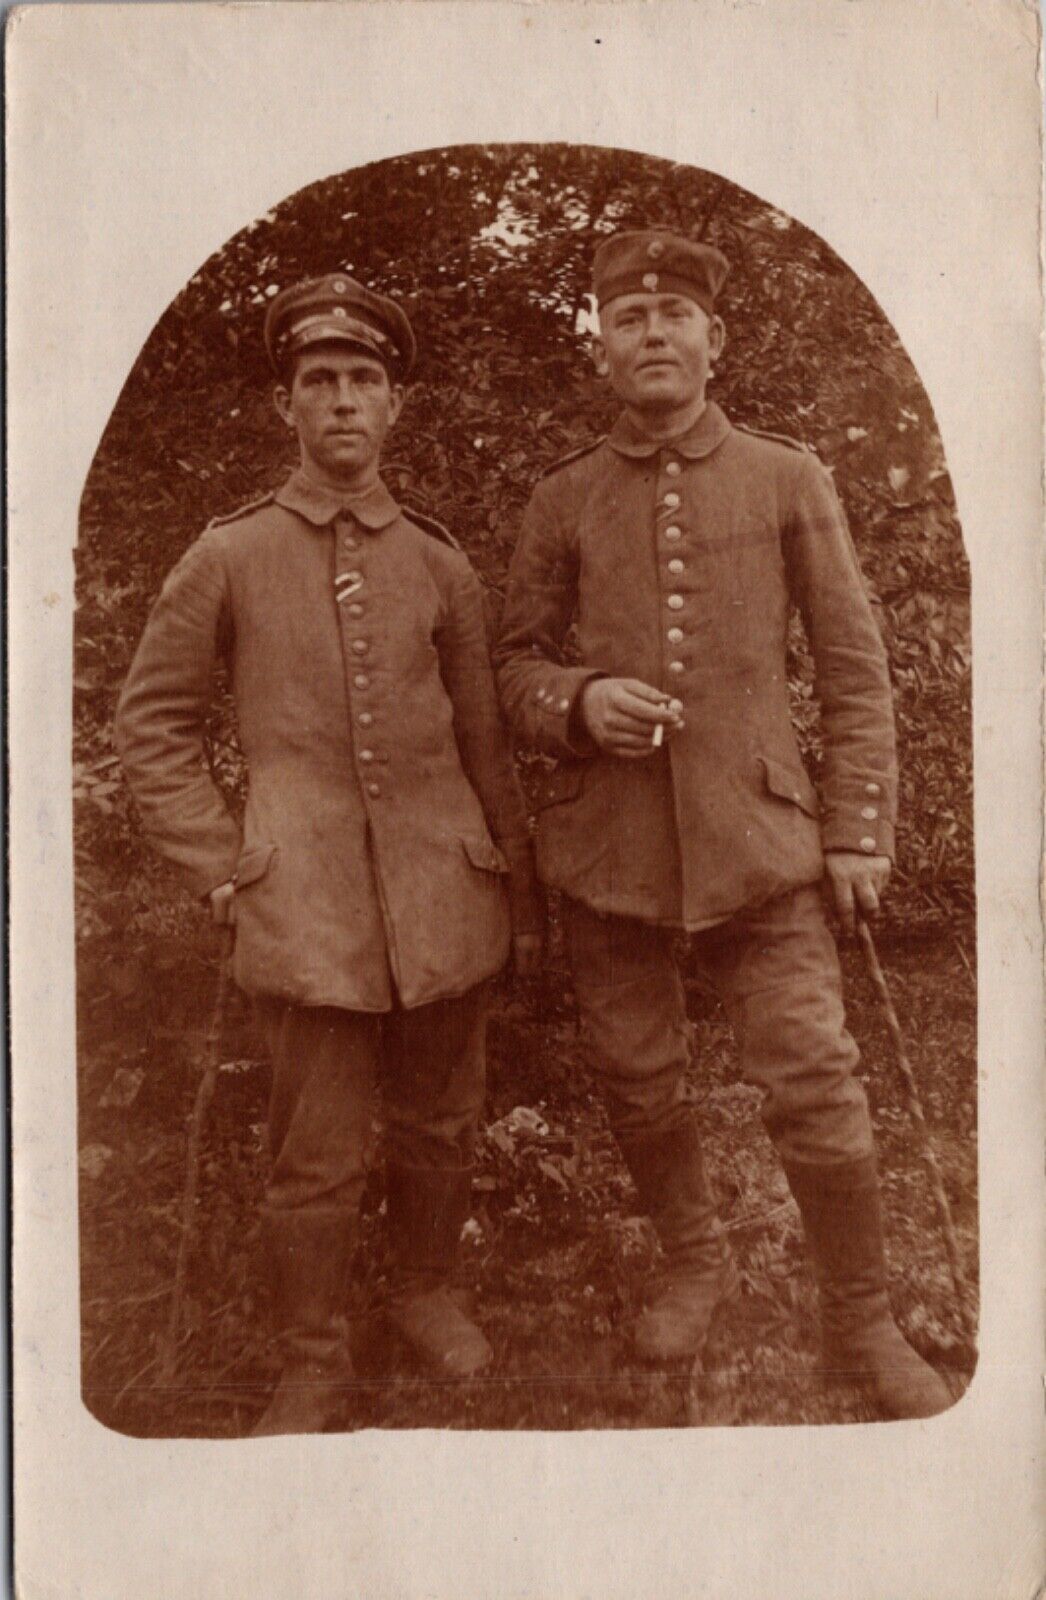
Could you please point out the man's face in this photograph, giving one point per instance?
(657, 349)
(342, 404)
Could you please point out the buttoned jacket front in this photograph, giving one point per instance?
(383, 819)
(680, 566)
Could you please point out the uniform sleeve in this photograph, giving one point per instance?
(161, 716)
(859, 784)
(540, 693)
(483, 744)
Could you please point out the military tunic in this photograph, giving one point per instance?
(681, 564)
(383, 820)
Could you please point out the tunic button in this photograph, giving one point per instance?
(673, 534)
(873, 788)
(364, 719)
(676, 567)
(671, 501)
(350, 544)
(564, 705)
(361, 680)
(675, 635)
(373, 788)
(675, 602)
(366, 755)
(676, 666)
(868, 844)
(360, 646)
(869, 813)
(355, 610)
(673, 469)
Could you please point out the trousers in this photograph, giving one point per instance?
(328, 1064)
(776, 969)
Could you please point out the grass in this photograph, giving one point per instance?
(555, 1259)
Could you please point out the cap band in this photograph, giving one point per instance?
(336, 325)
(654, 283)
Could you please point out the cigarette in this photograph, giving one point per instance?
(657, 739)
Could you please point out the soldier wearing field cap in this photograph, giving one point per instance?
(680, 545)
(384, 860)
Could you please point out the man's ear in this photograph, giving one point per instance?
(599, 356)
(716, 337)
(281, 399)
(397, 400)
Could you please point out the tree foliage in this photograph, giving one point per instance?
(489, 248)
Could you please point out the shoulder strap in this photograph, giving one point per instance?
(242, 511)
(571, 455)
(431, 526)
(778, 438)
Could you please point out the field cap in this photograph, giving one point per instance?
(337, 307)
(656, 261)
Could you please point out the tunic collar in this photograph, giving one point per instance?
(375, 509)
(707, 433)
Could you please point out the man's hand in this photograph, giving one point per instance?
(223, 905)
(856, 879)
(622, 715)
(527, 952)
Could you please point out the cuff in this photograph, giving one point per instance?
(556, 711)
(859, 834)
(857, 813)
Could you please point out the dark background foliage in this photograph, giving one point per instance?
(489, 249)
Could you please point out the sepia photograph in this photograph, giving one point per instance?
(524, 667)
(522, 771)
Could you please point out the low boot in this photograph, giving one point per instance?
(862, 1343)
(700, 1271)
(309, 1256)
(427, 1209)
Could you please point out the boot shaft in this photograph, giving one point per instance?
(426, 1211)
(862, 1343)
(842, 1219)
(309, 1254)
(669, 1173)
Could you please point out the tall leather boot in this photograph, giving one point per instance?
(700, 1271)
(861, 1341)
(309, 1256)
(427, 1209)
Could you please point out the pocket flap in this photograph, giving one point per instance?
(253, 864)
(791, 783)
(484, 853)
(562, 783)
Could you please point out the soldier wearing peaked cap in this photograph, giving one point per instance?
(336, 309)
(384, 858)
(681, 545)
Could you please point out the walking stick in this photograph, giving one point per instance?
(204, 1095)
(915, 1110)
